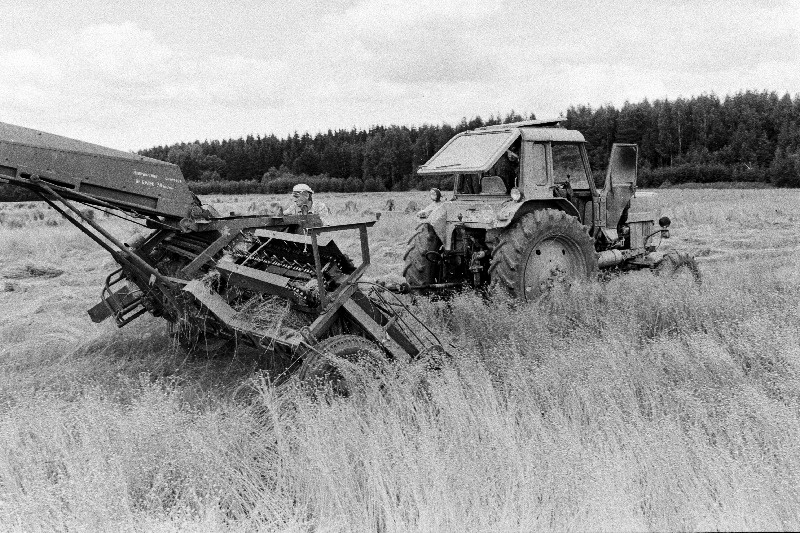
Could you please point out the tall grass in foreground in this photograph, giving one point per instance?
(632, 405)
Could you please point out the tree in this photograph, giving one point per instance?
(210, 175)
(760, 130)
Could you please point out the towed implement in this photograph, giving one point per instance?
(279, 285)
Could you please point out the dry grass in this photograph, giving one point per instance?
(271, 313)
(637, 404)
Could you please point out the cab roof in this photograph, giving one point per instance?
(477, 150)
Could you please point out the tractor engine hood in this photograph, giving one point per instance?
(471, 214)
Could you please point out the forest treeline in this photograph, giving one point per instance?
(747, 137)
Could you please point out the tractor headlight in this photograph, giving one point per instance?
(436, 194)
(664, 222)
(516, 194)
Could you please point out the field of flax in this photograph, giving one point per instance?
(633, 404)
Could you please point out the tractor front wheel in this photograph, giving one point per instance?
(419, 269)
(541, 250)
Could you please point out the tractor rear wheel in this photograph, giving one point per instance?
(317, 370)
(677, 264)
(542, 249)
(419, 269)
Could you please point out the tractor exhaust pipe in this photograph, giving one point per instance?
(610, 258)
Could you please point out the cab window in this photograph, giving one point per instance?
(468, 183)
(568, 166)
(535, 162)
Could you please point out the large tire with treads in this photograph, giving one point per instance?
(541, 249)
(316, 371)
(418, 269)
(675, 264)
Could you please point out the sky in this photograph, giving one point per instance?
(132, 75)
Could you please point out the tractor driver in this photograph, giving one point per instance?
(303, 202)
(507, 167)
(512, 173)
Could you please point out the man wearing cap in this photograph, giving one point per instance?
(303, 202)
(507, 167)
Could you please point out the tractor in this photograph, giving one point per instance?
(527, 214)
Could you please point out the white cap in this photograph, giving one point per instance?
(302, 187)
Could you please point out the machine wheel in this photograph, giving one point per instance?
(676, 264)
(419, 270)
(540, 250)
(317, 371)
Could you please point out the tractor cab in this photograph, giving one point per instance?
(535, 160)
(482, 163)
(531, 160)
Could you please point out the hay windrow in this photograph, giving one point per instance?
(269, 312)
(32, 271)
(211, 279)
(264, 312)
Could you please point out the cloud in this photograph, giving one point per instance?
(25, 64)
(151, 77)
(688, 35)
(404, 43)
(107, 80)
(443, 60)
(120, 50)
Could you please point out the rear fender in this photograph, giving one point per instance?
(510, 213)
